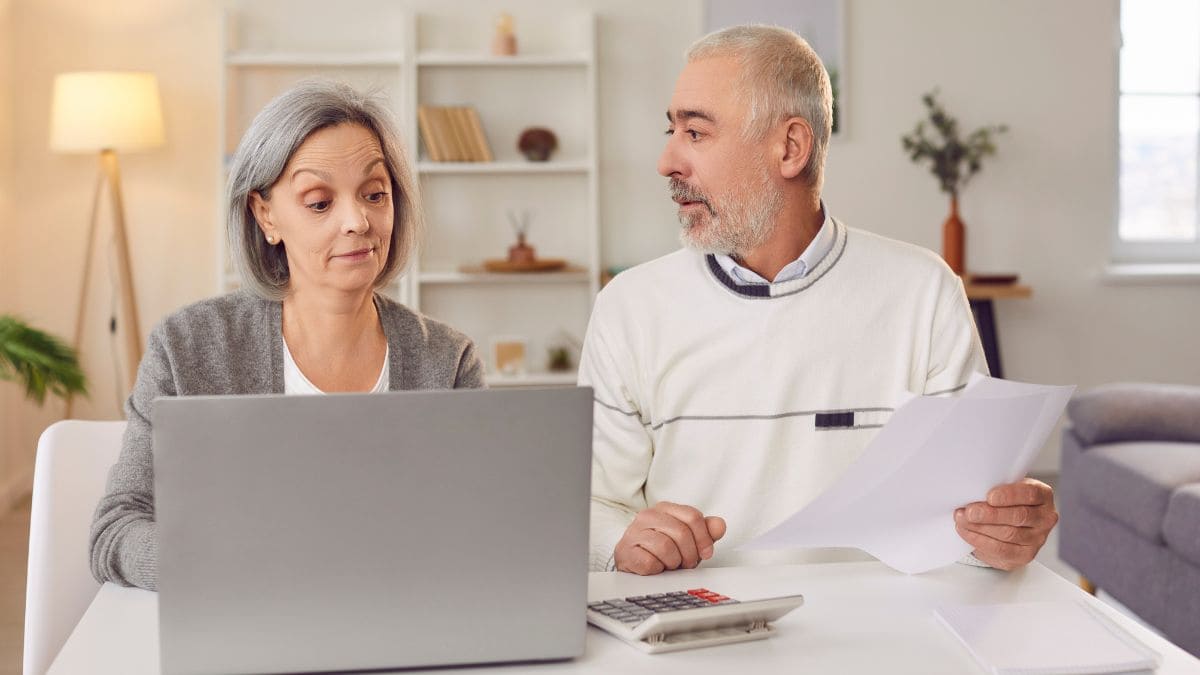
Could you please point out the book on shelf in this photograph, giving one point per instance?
(462, 151)
(433, 146)
(453, 134)
(481, 143)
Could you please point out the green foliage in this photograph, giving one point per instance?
(953, 160)
(39, 361)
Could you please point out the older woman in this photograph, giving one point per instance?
(322, 213)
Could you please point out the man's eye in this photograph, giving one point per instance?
(669, 131)
(319, 207)
(694, 134)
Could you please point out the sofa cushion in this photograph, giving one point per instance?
(1181, 527)
(1133, 482)
(1136, 412)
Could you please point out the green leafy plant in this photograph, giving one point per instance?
(954, 159)
(39, 361)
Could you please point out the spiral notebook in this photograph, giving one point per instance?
(1046, 638)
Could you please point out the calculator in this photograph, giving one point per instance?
(668, 622)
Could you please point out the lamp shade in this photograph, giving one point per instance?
(95, 111)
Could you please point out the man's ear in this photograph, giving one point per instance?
(798, 147)
(261, 209)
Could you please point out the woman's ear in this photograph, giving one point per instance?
(798, 147)
(261, 209)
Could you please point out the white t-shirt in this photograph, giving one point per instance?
(294, 381)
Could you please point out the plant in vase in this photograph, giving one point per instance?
(953, 160)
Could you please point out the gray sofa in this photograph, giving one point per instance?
(1129, 497)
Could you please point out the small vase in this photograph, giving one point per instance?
(954, 240)
(521, 253)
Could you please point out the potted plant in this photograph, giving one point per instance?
(953, 161)
(40, 362)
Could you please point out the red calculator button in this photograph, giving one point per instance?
(699, 591)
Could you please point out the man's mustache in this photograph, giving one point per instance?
(682, 192)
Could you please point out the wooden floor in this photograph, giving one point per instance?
(14, 552)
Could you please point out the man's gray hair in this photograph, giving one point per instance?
(781, 77)
(266, 148)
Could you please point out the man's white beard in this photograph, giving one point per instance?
(738, 224)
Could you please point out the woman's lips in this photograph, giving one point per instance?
(357, 255)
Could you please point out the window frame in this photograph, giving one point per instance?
(1141, 251)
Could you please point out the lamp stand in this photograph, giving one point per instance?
(129, 328)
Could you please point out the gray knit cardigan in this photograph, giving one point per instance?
(233, 344)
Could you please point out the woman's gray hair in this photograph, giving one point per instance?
(273, 137)
(781, 77)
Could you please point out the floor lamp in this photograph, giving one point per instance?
(106, 112)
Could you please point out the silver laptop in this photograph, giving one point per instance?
(371, 531)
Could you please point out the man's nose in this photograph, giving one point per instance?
(669, 163)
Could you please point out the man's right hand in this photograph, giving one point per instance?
(667, 536)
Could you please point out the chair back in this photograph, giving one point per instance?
(73, 459)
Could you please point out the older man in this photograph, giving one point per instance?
(735, 379)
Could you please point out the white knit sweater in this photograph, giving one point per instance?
(748, 406)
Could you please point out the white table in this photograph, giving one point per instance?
(858, 617)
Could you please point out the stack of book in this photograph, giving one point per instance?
(453, 134)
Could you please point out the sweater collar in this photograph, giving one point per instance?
(784, 288)
(816, 249)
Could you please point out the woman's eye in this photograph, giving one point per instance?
(319, 207)
(376, 197)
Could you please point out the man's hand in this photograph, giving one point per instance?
(667, 536)
(1010, 527)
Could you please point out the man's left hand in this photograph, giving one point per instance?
(1009, 528)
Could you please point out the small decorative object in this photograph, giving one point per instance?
(993, 279)
(509, 355)
(559, 361)
(504, 42)
(954, 161)
(520, 253)
(521, 256)
(560, 352)
(537, 143)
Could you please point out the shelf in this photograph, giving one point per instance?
(302, 60)
(543, 379)
(572, 275)
(468, 59)
(1151, 273)
(996, 291)
(515, 167)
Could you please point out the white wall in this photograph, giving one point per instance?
(170, 194)
(13, 472)
(1043, 207)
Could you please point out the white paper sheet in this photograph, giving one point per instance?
(1046, 638)
(934, 455)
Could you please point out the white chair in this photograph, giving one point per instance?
(73, 459)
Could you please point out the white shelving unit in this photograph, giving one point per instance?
(442, 59)
(511, 167)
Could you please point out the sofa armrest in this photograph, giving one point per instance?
(1136, 412)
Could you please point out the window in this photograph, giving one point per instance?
(1159, 214)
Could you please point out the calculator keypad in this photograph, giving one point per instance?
(635, 609)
